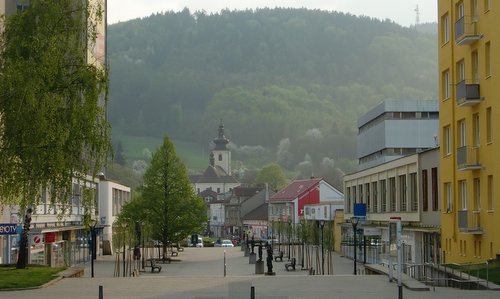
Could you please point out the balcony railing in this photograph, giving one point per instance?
(467, 94)
(469, 222)
(466, 31)
(468, 158)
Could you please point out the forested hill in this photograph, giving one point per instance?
(271, 74)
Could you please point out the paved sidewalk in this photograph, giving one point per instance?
(199, 275)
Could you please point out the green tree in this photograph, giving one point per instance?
(272, 175)
(167, 202)
(52, 101)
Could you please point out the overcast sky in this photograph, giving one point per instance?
(400, 11)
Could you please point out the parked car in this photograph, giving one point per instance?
(226, 243)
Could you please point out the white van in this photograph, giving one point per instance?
(199, 243)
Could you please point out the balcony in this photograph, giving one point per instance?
(466, 31)
(469, 222)
(468, 158)
(467, 94)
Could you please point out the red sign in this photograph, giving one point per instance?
(50, 237)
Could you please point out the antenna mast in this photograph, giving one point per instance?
(417, 18)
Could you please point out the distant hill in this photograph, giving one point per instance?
(289, 84)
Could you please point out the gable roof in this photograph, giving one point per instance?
(259, 213)
(295, 189)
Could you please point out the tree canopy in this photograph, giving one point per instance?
(167, 202)
(52, 101)
(272, 175)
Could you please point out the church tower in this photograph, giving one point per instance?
(221, 154)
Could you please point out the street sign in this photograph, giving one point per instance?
(8, 228)
(372, 231)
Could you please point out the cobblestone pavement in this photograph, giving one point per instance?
(198, 273)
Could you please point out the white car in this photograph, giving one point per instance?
(226, 243)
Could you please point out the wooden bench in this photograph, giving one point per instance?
(291, 264)
(279, 257)
(154, 266)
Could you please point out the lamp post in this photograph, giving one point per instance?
(279, 234)
(93, 243)
(272, 233)
(354, 222)
(289, 237)
(322, 225)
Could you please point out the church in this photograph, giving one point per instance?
(217, 178)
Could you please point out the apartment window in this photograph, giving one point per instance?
(220, 157)
(348, 199)
(448, 196)
(360, 192)
(425, 191)
(488, 125)
(447, 140)
(446, 85)
(402, 193)
(462, 136)
(474, 8)
(475, 66)
(487, 59)
(375, 197)
(460, 75)
(445, 29)
(392, 194)
(413, 192)
(487, 5)
(490, 193)
(477, 194)
(434, 179)
(463, 194)
(475, 129)
(383, 196)
(460, 9)
(354, 197)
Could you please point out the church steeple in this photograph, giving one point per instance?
(221, 141)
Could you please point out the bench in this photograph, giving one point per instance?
(279, 257)
(174, 253)
(154, 266)
(291, 264)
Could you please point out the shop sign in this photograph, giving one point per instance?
(8, 228)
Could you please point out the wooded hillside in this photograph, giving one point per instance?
(288, 83)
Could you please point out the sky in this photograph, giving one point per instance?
(400, 11)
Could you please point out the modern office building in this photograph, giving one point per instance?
(395, 129)
(468, 108)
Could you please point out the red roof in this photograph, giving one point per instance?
(295, 189)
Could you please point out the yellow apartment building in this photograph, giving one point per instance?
(469, 107)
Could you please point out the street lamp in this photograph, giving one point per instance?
(289, 236)
(354, 222)
(93, 224)
(279, 234)
(322, 225)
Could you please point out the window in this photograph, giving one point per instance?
(477, 194)
(487, 5)
(490, 193)
(463, 194)
(220, 157)
(488, 125)
(413, 192)
(445, 85)
(402, 193)
(218, 190)
(474, 9)
(462, 136)
(448, 197)
(434, 179)
(447, 140)
(487, 59)
(445, 29)
(475, 67)
(360, 192)
(375, 197)
(383, 196)
(392, 194)
(460, 75)
(460, 9)
(425, 191)
(347, 200)
(475, 129)
(367, 196)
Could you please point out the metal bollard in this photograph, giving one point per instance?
(101, 293)
(252, 292)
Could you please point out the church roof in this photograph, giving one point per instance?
(214, 174)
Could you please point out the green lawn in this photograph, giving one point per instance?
(32, 276)
(480, 270)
